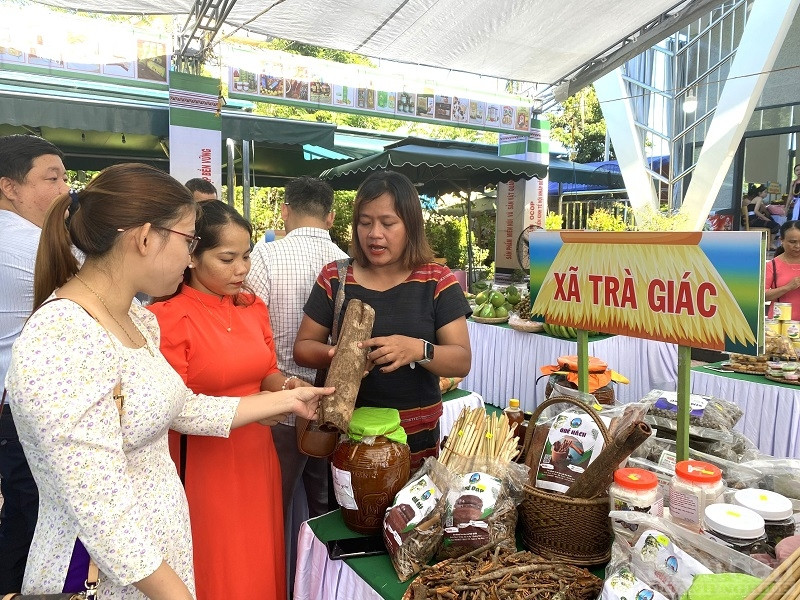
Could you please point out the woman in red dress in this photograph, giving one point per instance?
(217, 336)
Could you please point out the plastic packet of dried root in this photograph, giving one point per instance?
(412, 526)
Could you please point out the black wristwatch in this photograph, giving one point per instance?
(427, 352)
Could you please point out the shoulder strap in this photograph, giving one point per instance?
(341, 265)
(774, 275)
(119, 397)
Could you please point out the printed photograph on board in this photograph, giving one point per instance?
(386, 101)
(425, 103)
(151, 60)
(296, 89)
(270, 85)
(460, 109)
(443, 107)
(477, 112)
(321, 92)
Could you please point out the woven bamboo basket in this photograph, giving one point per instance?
(575, 530)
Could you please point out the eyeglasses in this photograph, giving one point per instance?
(193, 239)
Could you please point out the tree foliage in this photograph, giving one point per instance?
(580, 126)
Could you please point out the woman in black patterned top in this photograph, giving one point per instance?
(420, 331)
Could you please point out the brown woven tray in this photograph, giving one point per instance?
(781, 380)
(492, 321)
(728, 367)
(555, 525)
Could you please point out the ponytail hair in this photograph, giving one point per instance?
(55, 263)
(119, 198)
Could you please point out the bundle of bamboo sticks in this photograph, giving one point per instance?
(476, 435)
(783, 583)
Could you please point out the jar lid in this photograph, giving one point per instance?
(770, 505)
(513, 402)
(368, 421)
(635, 479)
(698, 471)
(734, 521)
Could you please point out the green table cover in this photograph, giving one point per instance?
(741, 376)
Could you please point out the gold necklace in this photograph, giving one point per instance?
(215, 316)
(110, 314)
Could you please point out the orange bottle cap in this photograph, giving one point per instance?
(635, 479)
(697, 471)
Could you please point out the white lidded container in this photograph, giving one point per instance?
(775, 509)
(737, 527)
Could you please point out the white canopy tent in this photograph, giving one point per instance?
(564, 44)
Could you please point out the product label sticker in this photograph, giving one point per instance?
(685, 506)
(655, 557)
(624, 584)
(468, 508)
(411, 505)
(667, 460)
(669, 401)
(343, 488)
(573, 441)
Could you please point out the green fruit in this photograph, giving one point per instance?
(487, 312)
(546, 328)
(562, 331)
(573, 333)
(500, 311)
(496, 298)
(508, 306)
(482, 297)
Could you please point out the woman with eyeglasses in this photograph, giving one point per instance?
(93, 397)
(216, 334)
(782, 278)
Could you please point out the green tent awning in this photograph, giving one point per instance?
(436, 167)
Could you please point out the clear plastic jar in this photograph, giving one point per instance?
(635, 489)
(737, 527)
(775, 509)
(695, 486)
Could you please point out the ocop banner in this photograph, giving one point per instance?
(704, 290)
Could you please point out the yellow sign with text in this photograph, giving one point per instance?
(699, 289)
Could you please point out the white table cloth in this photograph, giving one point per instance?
(771, 416)
(452, 408)
(505, 364)
(319, 578)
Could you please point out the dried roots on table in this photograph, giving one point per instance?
(498, 571)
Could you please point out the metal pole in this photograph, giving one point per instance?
(684, 383)
(469, 239)
(583, 360)
(231, 148)
(246, 179)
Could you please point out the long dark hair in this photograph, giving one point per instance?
(784, 229)
(214, 216)
(754, 189)
(407, 206)
(119, 198)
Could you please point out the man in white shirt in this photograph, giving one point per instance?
(32, 176)
(202, 189)
(282, 273)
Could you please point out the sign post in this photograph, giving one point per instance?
(694, 289)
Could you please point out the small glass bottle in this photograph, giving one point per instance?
(515, 415)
